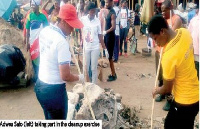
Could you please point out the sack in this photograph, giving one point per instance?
(133, 43)
(11, 62)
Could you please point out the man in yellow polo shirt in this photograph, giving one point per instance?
(179, 74)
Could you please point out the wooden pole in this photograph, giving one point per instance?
(132, 4)
(98, 3)
(156, 81)
(85, 91)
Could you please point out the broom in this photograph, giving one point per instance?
(158, 69)
(100, 77)
(79, 62)
(79, 71)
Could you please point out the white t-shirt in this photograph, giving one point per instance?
(91, 30)
(54, 51)
(117, 11)
(124, 18)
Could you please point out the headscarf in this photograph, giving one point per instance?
(36, 2)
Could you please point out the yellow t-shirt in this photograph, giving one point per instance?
(178, 65)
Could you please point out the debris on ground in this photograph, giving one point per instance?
(142, 76)
(107, 107)
(11, 35)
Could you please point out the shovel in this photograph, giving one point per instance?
(158, 69)
(85, 91)
(79, 61)
(100, 77)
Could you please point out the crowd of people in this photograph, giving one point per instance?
(104, 28)
(47, 34)
(16, 19)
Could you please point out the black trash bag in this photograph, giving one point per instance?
(12, 62)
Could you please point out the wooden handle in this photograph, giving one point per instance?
(79, 71)
(76, 61)
(156, 81)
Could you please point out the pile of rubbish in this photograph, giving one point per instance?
(106, 106)
(13, 36)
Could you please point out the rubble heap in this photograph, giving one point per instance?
(105, 104)
(11, 35)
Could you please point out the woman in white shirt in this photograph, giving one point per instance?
(92, 36)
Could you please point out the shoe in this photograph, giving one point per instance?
(125, 55)
(120, 54)
(167, 105)
(112, 78)
(159, 98)
(109, 76)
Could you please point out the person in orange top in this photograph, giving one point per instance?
(174, 22)
(179, 73)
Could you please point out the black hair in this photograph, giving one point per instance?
(167, 4)
(137, 7)
(91, 5)
(102, 3)
(157, 23)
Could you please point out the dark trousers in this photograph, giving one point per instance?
(116, 48)
(123, 35)
(197, 68)
(109, 40)
(53, 100)
(181, 117)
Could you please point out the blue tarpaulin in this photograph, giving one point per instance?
(6, 8)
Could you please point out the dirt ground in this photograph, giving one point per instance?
(136, 77)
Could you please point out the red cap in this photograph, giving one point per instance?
(68, 13)
(115, 0)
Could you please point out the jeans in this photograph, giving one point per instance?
(123, 35)
(181, 117)
(53, 100)
(92, 57)
(116, 48)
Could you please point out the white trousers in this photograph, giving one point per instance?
(92, 57)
